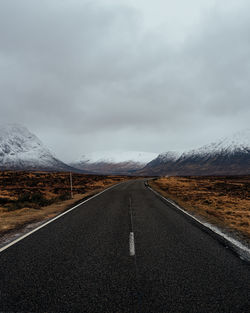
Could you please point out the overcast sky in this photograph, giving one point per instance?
(133, 75)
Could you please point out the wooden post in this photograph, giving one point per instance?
(71, 185)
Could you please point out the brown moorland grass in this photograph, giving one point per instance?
(224, 201)
(27, 197)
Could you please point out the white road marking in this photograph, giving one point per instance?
(242, 250)
(131, 244)
(131, 214)
(53, 219)
(131, 235)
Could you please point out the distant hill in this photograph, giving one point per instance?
(22, 150)
(228, 156)
(163, 163)
(114, 162)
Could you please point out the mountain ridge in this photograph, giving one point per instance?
(227, 156)
(114, 162)
(22, 150)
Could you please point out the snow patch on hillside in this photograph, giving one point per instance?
(20, 149)
(117, 156)
(16, 141)
(169, 156)
(238, 142)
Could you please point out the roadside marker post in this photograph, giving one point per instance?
(71, 185)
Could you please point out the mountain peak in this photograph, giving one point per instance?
(227, 156)
(22, 150)
(237, 142)
(13, 128)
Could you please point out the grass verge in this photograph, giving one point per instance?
(223, 201)
(30, 197)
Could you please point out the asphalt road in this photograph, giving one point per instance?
(81, 262)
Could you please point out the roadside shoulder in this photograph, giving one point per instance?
(238, 247)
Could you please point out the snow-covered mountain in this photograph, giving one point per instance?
(114, 162)
(228, 156)
(164, 160)
(22, 150)
(237, 143)
(170, 156)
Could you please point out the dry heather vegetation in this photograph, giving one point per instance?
(27, 197)
(224, 201)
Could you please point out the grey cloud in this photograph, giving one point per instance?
(88, 75)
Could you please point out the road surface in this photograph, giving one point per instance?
(87, 261)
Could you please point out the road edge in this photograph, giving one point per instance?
(233, 244)
(55, 218)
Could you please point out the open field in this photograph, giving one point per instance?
(224, 201)
(27, 197)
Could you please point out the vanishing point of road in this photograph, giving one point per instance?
(125, 250)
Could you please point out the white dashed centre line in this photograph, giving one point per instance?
(131, 244)
(131, 234)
